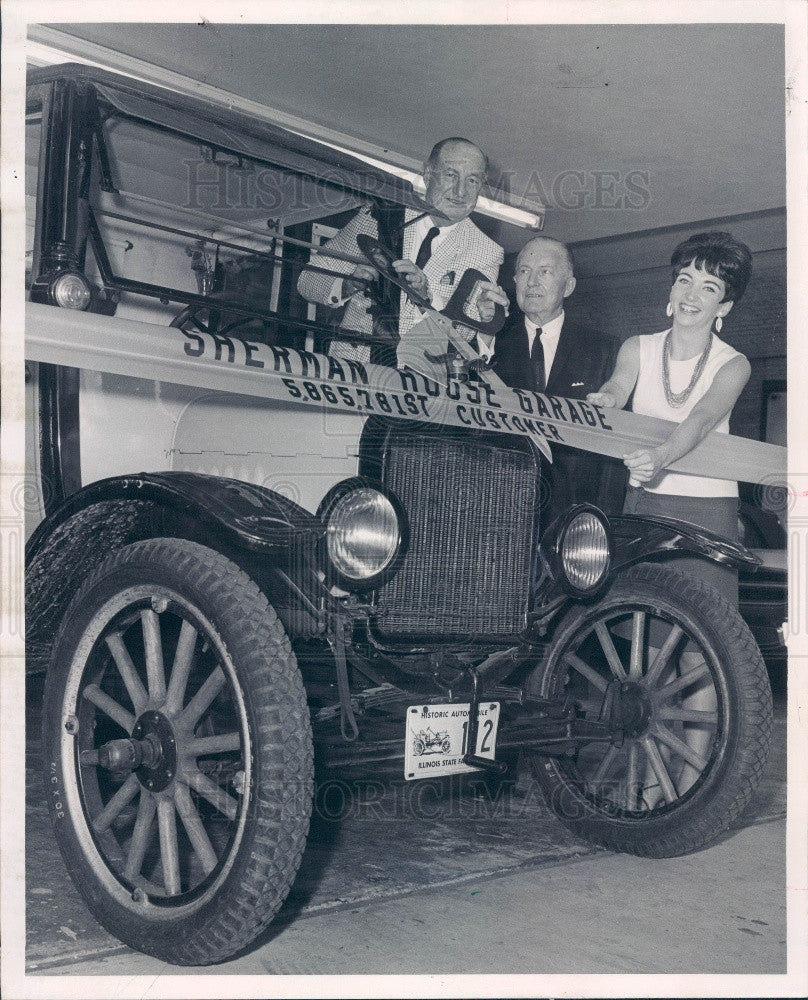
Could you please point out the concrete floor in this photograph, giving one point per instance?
(465, 891)
(719, 912)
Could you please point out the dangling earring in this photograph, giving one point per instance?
(669, 309)
(718, 324)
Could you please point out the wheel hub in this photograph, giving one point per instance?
(159, 765)
(627, 708)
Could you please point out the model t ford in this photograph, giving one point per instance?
(251, 557)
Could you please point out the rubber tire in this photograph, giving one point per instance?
(737, 768)
(276, 826)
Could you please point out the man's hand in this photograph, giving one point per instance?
(491, 295)
(356, 282)
(414, 277)
(644, 464)
(601, 399)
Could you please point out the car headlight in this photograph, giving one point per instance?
(71, 290)
(365, 530)
(580, 552)
(585, 551)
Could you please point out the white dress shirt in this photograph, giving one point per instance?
(550, 334)
(422, 227)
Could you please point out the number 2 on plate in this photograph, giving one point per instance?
(485, 746)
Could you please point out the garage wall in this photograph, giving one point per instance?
(619, 294)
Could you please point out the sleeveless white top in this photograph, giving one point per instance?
(649, 399)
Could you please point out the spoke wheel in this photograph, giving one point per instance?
(676, 674)
(179, 752)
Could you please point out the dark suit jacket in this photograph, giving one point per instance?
(584, 360)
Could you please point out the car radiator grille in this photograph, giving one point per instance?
(471, 508)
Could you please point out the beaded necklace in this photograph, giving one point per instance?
(677, 399)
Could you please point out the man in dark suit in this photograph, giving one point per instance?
(538, 349)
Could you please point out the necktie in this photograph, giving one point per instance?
(425, 251)
(537, 363)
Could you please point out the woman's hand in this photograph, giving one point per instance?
(643, 464)
(601, 399)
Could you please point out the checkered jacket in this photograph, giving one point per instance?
(465, 247)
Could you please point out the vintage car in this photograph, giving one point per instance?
(232, 572)
(763, 593)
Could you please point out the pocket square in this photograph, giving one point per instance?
(576, 384)
(448, 278)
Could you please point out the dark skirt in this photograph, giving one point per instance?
(716, 514)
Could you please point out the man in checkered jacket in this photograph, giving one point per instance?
(437, 250)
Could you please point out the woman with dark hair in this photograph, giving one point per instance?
(689, 375)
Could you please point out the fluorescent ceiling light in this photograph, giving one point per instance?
(487, 206)
(496, 209)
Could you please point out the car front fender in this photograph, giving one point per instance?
(638, 539)
(249, 516)
(633, 539)
(270, 537)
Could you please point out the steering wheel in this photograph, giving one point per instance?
(206, 319)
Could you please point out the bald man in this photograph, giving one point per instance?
(436, 250)
(538, 349)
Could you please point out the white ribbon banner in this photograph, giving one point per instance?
(212, 361)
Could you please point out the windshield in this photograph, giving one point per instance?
(191, 215)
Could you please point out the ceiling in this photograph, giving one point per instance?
(616, 128)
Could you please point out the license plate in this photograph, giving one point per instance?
(436, 738)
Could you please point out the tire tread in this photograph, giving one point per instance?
(271, 682)
(647, 838)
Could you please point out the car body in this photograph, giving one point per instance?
(763, 592)
(233, 572)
